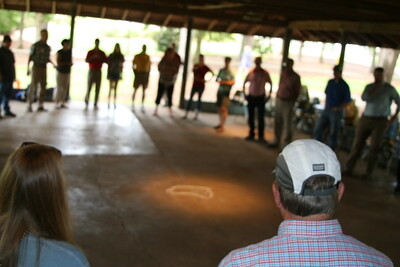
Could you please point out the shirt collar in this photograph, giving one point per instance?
(310, 228)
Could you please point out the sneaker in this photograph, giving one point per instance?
(29, 109)
(10, 114)
(41, 109)
(63, 106)
(217, 127)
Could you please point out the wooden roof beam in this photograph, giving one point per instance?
(103, 12)
(146, 18)
(167, 20)
(28, 6)
(390, 42)
(212, 25)
(253, 29)
(125, 14)
(231, 27)
(53, 7)
(78, 9)
(349, 26)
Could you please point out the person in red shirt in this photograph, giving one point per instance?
(199, 71)
(288, 92)
(95, 58)
(256, 97)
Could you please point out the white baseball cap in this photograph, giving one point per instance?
(305, 159)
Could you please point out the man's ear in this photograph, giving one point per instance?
(277, 195)
(340, 190)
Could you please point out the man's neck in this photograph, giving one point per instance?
(316, 217)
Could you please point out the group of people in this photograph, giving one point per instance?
(373, 123)
(39, 57)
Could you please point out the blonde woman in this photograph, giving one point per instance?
(35, 227)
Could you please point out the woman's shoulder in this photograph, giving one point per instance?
(52, 252)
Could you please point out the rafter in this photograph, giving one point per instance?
(78, 9)
(167, 20)
(103, 12)
(53, 7)
(212, 24)
(125, 14)
(253, 29)
(146, 17)
(28, 6)
(350, 26)
(231, 27)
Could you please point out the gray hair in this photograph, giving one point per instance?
(310, 205)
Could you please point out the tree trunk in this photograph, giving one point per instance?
(21, 30)
(321, 55)
(41, 22)
(199, 39)
(373, 63)
(387, 60)
(300, 51)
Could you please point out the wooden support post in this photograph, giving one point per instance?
(186, 62)
(73, 15)
(286, 45)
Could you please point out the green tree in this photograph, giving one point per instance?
(165, 37)
(262, 45)
(219, 36)
(10, 21)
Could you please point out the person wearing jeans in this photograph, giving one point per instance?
(256, 98)
(337, 98)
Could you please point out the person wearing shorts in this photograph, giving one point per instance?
(225, 79)
(141, 68)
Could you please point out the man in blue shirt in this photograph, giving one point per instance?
(374, 121)
(337, 98)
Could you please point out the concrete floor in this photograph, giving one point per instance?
(161, 191)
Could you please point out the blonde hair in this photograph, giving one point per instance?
(32, 199)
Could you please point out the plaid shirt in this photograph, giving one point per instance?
(40, 54)
(308, 243)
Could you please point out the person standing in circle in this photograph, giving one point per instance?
(199, 71)
(64, 63)
(115, 66)
(141, 68)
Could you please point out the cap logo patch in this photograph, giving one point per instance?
(318, 167)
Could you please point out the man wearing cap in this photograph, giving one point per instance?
(307, 191)
(337, 98)
(7, 75)
(374, 121)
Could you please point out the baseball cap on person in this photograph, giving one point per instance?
(305, 159)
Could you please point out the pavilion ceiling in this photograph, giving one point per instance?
(365, 22)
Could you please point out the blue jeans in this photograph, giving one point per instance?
(199, 90)
(5, 95)
(332, 119)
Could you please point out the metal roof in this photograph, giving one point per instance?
(365, 22)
